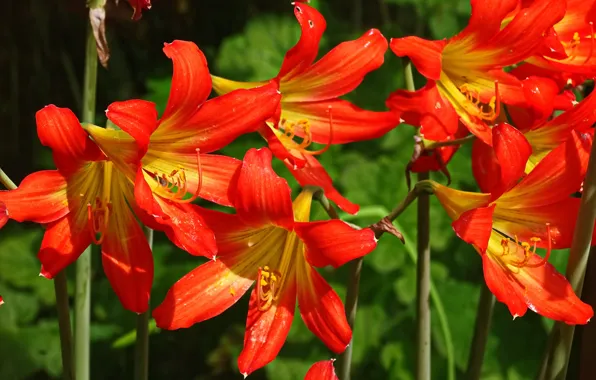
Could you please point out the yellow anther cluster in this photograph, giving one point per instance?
(478, 109)
(268, 282)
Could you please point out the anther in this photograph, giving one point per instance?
(268, 282)
(478, 110)
(97, 220)
(175, 185)
(329, 141)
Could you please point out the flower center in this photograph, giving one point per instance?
(268, 287)
(512, 257)
(572, 47)
(287, 130)
(174, 186)
(489, 111)
(98, 214)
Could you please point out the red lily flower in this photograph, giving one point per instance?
(322, 370)
(465, 73)
(86, 200)
(168, 159)
(507, 226)
(269, 241)
(3, 215)
(572, 49)
(138, 6)
(310, 104)
(542, 137)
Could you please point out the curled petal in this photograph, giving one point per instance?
(266, 331)
(303, 54)
(475, 226)
(322, 309)
(191, 83)
(333, 242)
(486, 19)
(322, 370)
(339, 71)
(42, 197)
(425, 54)
(512, 151)
(261, 196)
(203, 293)
(136, 117)
(60, 130)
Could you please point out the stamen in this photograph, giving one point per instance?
(97, 219)
(175, 185)
(328, 145)
(268, 282)
(478, 109)
(548, 248)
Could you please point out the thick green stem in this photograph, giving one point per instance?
(481, 331)
(6, 181)
(423, 286)
(61, 290)
(142, 341)
(562, 334)
(83, 264)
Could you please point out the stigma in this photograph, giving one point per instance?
(528, 249)
(268, 287)
(99, 212)
(489, 111)
(288, 130)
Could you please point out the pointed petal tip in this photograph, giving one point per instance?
(245, 375)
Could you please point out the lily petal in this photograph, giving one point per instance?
(260, 195)
(203, 293)
(303, 54)
(486, 19)
(339, 121)
(136, 117)
(191, 83)
(425, 54)
(475, 226)
(42, 197)
(63, 242)
(333, 242)
(266, 331)
(219, 121)
(339, 71)
(512, 151)
(322, 309)
(60, 130)
(456, 202)
(485, 167)
(322, 370)
(3, 215)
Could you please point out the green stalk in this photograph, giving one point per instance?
(62, 307)
(83, 264)
(481, 332)
(142, 340)
(561, 337)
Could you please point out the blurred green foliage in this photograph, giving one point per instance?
(370, 173)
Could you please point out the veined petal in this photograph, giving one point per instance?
(191, 83)
(556, 177)
(260, 196)
(540, 288)
(42, 197)
(136, 117)
(426, 108)
(321, 309)
(322, 370)
(126, 256)
(119, 146)
(63, 242)
(303, 54)
(339, 71)
(475, 226)
(333, 242)
(60, 130)
(512, 151)
(222, 85)
(456, 202)
(313, 173)
(485, 20)
(266, 331)
(204, 293)
(425, 54)
(339, 121)
(219, 121)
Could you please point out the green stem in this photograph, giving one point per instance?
(481, 332)
(6, 181)
(430, 145)
(562, 334)
(61, 290)
(423, 286)
(142, 339)
(83, 264)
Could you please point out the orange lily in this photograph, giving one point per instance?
(322, 370)
(269, 241)
(86, 200)
(169, 159)
(465, 74)
(507, 225)
(310, 107)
